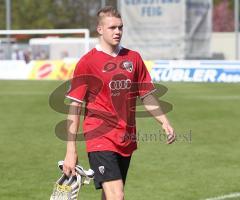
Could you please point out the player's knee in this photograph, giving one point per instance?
(116, 195)
(119, 195)
(114, 190)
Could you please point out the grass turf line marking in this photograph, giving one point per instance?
(23, 93)
(208, 97)
(228, 196)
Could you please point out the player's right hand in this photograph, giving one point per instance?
(69, 164)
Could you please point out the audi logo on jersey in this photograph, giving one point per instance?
(120, 84)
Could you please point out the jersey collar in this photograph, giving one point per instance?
(113, 54)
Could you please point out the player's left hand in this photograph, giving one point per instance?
(171, 136)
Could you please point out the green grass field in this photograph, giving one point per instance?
(208, 166)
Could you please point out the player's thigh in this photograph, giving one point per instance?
(124, 163)
(106, 167)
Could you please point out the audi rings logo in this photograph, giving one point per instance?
(120, 84)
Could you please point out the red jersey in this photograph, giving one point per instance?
(109, 86)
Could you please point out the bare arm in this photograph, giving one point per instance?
(71, 157)
(152, 105)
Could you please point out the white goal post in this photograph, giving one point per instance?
(50, 31)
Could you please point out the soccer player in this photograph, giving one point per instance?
(108, 79)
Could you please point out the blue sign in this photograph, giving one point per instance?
(228, 72)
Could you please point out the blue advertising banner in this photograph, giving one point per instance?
(196, 71)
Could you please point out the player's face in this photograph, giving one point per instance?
(111, 29)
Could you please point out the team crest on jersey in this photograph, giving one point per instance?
(127, 65)
(101, 169)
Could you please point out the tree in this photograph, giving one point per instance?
(31, 14)
(2, 15)
(53, 14)
(223, 16)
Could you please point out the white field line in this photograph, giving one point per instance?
(22, 93)
(232, 97)
(228, 196)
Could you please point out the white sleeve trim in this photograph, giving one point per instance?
(150, 92)
(72, 98)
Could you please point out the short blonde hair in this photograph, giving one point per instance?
(107, 11)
